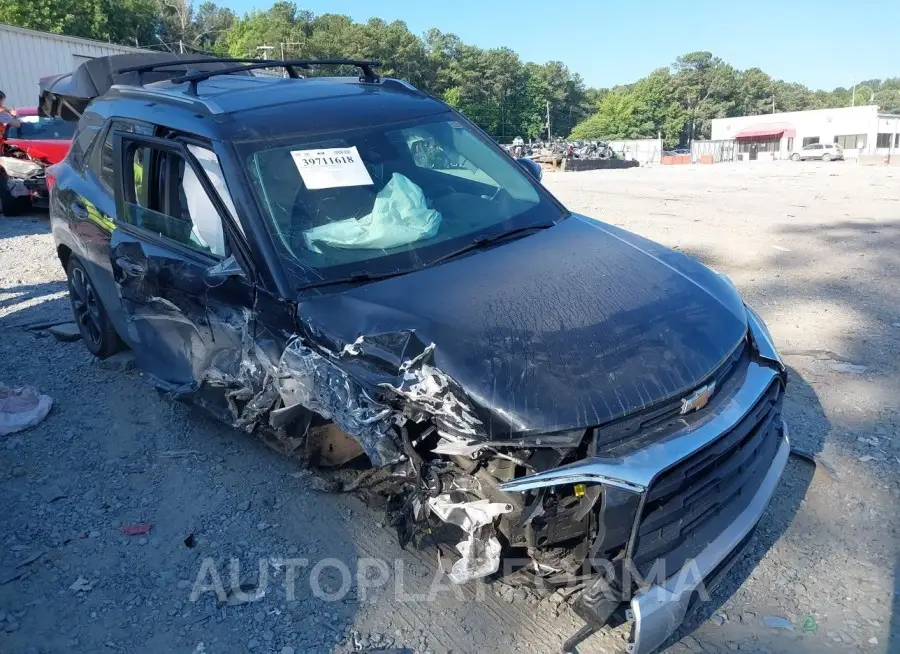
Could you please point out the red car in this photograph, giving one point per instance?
(29, 148)
(45, 140)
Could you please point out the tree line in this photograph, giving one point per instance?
(506, 96)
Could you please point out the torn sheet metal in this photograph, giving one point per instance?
(314, 381)
(430, 390)
(480, 552)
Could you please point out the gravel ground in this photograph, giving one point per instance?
(815, 248)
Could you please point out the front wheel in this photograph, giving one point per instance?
(795, 157)
(826, 157)
(97, 331)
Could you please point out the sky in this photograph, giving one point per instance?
(819, 43)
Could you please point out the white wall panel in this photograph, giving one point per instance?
(26, 56)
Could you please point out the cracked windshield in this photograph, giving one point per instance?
(409, 191)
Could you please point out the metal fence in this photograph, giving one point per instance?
(645, 151)
(713, 151)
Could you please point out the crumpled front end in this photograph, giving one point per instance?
(637, 516)
(617, 513)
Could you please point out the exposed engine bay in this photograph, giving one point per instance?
(24, 181)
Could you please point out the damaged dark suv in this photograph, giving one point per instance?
(569, 404)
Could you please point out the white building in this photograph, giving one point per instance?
(26, 56)
(858, 130)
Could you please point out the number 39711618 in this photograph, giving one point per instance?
(328, 161)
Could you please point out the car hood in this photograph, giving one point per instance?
(571, 327)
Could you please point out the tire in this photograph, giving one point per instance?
(97, 332)
(795, 157)
(826, 157)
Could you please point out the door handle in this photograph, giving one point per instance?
(129, 267)
(79, 210)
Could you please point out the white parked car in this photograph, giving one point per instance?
(823, 151)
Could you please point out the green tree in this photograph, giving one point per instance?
(617, 117)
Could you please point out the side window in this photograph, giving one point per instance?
(103, 157)
(163, 195)
(81, 145)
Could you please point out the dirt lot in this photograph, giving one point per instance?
(815, 248)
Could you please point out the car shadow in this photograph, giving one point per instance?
(27, 225)
(34, 306)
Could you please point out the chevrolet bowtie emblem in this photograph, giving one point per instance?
(698, 399)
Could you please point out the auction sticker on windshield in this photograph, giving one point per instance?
(331, 168)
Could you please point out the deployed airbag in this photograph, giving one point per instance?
(400, 216)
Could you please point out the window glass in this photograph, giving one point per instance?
(169, 200)
(209, 162)
(103, 158)
(884, 140)
(809, 140)
(391, 197)
(850, 141)
(765, 145)
(41, 128)
(82, 145)
(141, 162)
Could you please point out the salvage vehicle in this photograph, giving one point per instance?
(27, 149)
(568, 404)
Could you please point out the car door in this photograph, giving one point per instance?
(83, 198)
(177, 260)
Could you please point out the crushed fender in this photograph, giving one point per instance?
(308, 378)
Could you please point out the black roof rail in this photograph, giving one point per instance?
(144, 68)
(366, 68)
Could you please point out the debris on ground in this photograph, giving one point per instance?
(21, 408)
(81, 585)
(138, 529)
(65, 332)
(777, 622)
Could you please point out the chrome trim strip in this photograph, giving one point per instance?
(762, 339)
(635, 471)
(660, 609)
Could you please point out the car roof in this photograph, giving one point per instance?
(245, 107)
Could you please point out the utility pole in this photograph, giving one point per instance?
(549, 138)
(853, 102)
(265, 49)
(773, 103)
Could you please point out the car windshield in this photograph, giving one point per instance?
(43, 129)
(391, 198)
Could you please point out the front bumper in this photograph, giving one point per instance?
(659, 610)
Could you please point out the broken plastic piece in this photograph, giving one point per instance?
(138, 529)
(480, 552)
(21, 408)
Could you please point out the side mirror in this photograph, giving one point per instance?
(226, 268)
(532, 167)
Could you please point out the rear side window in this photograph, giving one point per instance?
(81, 145)
(103, 156)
